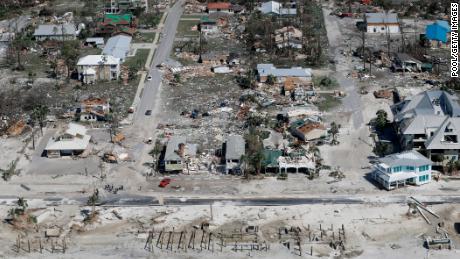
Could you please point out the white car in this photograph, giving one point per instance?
(149, 78)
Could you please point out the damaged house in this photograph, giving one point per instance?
(438, 33)
(92, 68)
(58, 32)
(224, 7)
(112, 24)
(215, 58)
(399, 170)
(177, 153)
(123, 6)
(382, 22)
(405, 63)
(208, 25)
(288, 37)
(430, 123)
(93, 109)
(234, 150)
(276, 8)
(302, 75)
(308, 130)
(73, 140)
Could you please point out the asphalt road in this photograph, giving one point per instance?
(146, 201)
(150, 92)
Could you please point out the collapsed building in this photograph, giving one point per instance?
(178, 151)
(71, 141)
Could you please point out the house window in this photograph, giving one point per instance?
(451, 138)
(410, 168)
(382, 28)
(397, 169)
(423, 168)
(423, 178)
(375, 29)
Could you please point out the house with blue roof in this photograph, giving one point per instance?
(438, 33)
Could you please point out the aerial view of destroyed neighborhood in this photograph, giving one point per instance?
(202, 129)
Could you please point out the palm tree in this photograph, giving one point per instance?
(39, 114)
(93, 200)
(334, 130)
(381, 120)
(22, 203)
(10, 171)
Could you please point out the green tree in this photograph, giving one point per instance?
(254, 155)
(20, 42)
(155, 153)
(382, 149)
(248, 80)
(381, 120)
(39, 115)
(270, 80)
(69, 53)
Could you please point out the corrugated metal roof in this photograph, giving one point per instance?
(269, 69)
(118, 46)
(407, 158)
(381, 18)
(55, 29)
(235, 147)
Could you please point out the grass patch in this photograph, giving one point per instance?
(144, 37)
(184, 29)
(328, 102)
(191, 16)
(325, 82)
(138, 61)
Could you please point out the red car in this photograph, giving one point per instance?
(164, 182)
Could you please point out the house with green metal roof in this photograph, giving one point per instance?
(112, 24)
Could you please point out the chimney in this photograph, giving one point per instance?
(181, 150)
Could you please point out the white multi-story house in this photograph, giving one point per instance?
(92, 68)
(398, 170)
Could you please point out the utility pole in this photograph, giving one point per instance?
(363, 36)
(200, 59)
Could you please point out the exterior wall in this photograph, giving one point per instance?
(56, 37)
(88, 117)
(208, 28)
(106, 72)
(220, 10)
(386, 177)
(231, 165)
(173, 166)
(382, 28)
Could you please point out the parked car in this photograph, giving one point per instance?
(148, 112)
(164, 182)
